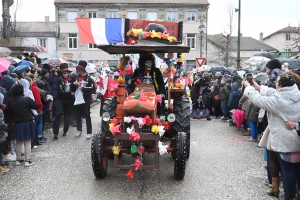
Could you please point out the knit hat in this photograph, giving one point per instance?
(274, 64)
(22, 68)
(64, 67)
(7, 82)
(46, 67)
(11, 69)
(81, 65)
(44, 72)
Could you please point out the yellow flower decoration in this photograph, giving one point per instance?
(116, 150)
(155, 129)
(121, 80)
(155, 35)
(110, 126)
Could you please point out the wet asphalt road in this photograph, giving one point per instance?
(222, 165)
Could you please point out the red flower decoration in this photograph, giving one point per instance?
(158, 121)
(137, 164)
(140, 149)
(134, 136)
(143, 97)
(166, 125)
(129, 174)
(148, 120)
(114, 121)
(138, 81)
(115, 130)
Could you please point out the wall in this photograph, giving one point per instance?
(278, 41)
(50, 46)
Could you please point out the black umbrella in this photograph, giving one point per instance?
(217, 69)
(267, 55)
(293, 63)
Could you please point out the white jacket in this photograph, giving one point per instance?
(282, 105)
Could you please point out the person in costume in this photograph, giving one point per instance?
(65, 100)
(86, 84)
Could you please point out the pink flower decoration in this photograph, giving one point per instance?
(159, 98)
(115, 129)
(113, 86)
(141, 121)
(158, 121)
(137, 164)
(134, 136)
(143, 97)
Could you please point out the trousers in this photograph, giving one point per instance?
(83, 111)
(62, 107)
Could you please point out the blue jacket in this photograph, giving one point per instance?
(234, 96)
(52, 82)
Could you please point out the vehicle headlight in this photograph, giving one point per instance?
(171, 117)
(106, 117)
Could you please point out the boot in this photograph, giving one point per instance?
(3, 169)
(274, 191)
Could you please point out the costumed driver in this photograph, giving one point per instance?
(147, 73)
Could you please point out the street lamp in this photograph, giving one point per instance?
(238, 59)
(201, 30)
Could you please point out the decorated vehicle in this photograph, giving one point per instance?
(140, 122)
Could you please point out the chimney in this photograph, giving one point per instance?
(46, 18)
(261, 37)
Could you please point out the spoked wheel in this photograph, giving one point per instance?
(182, 119)
(99, 156)
(180, 156)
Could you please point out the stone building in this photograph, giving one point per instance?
(191, 12)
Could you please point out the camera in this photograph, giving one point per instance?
(249, 78)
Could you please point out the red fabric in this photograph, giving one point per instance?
(67, 79)
(37, 96)
(128, 70)
(108, 92)
(146, 71)
(85, 30)
(80, 78)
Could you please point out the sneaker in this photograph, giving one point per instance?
(78, 134)
(9, 158)
(65, 133)
(34, 147)
(42, 140)
(20, 162)
(208, 119)
(4, 164)
(55, 137)
(213, 117)
(252, 140)
(29, 163)
(3, 169)
(88, 136)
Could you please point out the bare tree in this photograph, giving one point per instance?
(224, 40)
(296, 40)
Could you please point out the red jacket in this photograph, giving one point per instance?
(37, 96)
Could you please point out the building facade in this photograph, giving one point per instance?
(283, 39)
(192, 13)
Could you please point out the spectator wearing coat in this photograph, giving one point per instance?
(215, 101)
(224, 96)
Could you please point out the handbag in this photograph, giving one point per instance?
(79, 97)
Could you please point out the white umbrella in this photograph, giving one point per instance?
(91, 68)
(203, 68)
(255, 60)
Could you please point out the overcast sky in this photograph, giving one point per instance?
(257, 16)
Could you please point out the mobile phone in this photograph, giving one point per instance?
(250, 78)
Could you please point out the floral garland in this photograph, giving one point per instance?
(141, 34)
(155, 81)
(123, 62)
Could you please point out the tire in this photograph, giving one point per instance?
(182, 119)
(98, 155)
(180, 156)
(110, 106)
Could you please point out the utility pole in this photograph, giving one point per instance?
(238, 60)
(6, 25)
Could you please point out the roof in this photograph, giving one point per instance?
(247, 43)
(289, 29)
(135, 1)
(35, 29)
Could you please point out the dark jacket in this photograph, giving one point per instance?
(52, 83)
(215, 98)
(60, 87)
(234, 97)
(138, 74)
(46, 86)
(20, 108)
(224, 92)
(88, 90)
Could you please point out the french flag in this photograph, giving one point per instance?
(100, 30)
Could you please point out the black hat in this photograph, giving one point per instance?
(46, 67)
(44, 72)
(64, 67)
(81, 65)
(274, 64)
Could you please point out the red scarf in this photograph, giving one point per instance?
(80, 78)
(146, 71)
(67, 79)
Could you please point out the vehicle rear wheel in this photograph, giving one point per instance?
(99, 156)
(109, 106)
(180, 156)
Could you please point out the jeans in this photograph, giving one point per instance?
(39, 125)
(245, 125)
(253, 127)
(62, 107)
(83, 111)
(290, 175)
(224, 108)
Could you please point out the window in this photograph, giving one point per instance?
(190, 64)
(42, 42)
(116, 55)
(71, 16)
(191, 16)
(191, 40)
(152, 15)
(92, 14)
(287, 37)
(171, 16)
(93, 46)
(72, 41)
(112, 14)
(132, 15)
